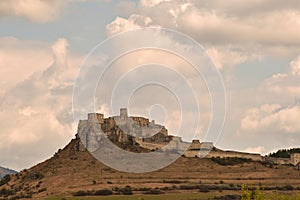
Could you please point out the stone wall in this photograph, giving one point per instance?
(295, 158)
(232, 154)
(278, 161)
(222, 154)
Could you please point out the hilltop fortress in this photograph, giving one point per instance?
(139, 134)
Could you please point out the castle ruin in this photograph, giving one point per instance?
(146, 135)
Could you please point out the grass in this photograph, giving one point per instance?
(179, 196)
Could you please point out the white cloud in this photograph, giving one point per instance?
(133, 22)
(36, 11)
(151, 3)
(20, 59)
(220, 25)
(271, 118)
(36, 110)
(282, 88)
(226, 57)
(295, 67)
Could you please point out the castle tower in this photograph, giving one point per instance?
(96, 117)
(123, 113)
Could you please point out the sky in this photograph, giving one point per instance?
(255, 46)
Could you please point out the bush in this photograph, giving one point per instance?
(230, 160)
(228, 197)
(82, 193)
(33, 176)
(142, 189)
(126, 190)
(173, 181)
(42, 190)
(153, 191)
(5, 192)
(288, 187)
(103, 192)
(204, 188)
(188, 187)
(5, 180)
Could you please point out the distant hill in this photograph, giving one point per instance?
(284, 153)
(5, 171)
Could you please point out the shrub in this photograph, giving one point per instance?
(42, 190)
(142, 189)
(153, 191)
(203, 188)
(33, 176)
(5, 180)
(288, 187)
(126, 190)
(173, 181)
(5, 192)
(188, 187)
(228, 197)
(103, 192)
(230, 160)
(81, 193)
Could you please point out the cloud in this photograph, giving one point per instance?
(20, 59)
(36, 111)
(121, 24)
(151, 3)
(268, 117)
(295, 67)
(226, 57)
(216, 24)
(36, 11)
(281, 89)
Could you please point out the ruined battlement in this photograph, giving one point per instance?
(121, 129)
(137, 126)
(140, 132)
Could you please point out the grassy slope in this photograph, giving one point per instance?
(182, 196)
(72, 170)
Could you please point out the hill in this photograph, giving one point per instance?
(73, 171)
(5, 171)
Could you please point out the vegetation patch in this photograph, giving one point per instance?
(230, 160)
(104, 192)
(154, 191)
(5, 180)
(284, 153)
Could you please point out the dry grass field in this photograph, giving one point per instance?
(71, 172)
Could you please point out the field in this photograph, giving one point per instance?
(176, 196)
(181, 196)
(71, 172)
